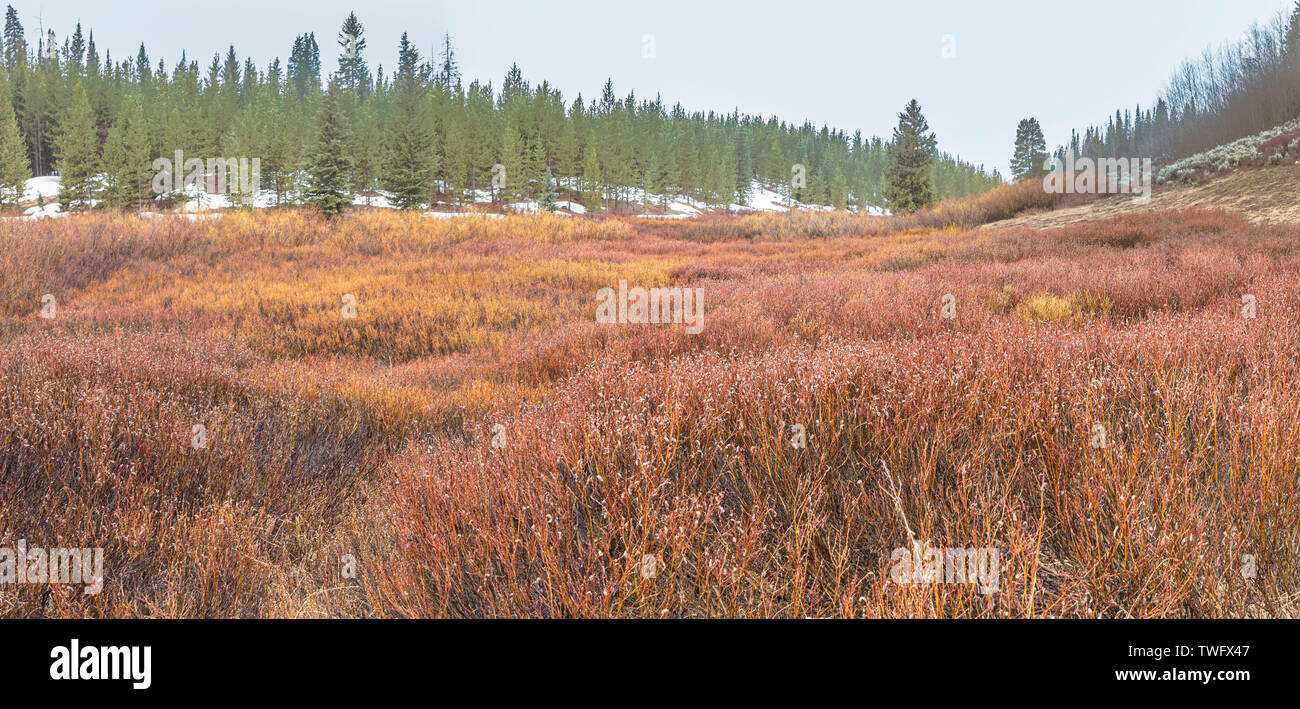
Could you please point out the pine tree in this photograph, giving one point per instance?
(14, 168)
(514, 162)
(448, 69)
(457, 151)
(367, 148)
(1030, 152)
(744, 166)
(126, 159)
(330, 167)
(245, 138)
(409, 141)
(78, 159)
(908, 182)
(593, 180)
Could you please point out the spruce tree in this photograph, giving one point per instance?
(908, 182)
(353, 74)
(330, 165)
(547, 199)
(410, 163)
(1030, 152)
(78, 159)
(15, 43)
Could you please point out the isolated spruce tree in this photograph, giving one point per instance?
(1030, 152)
(329, 168)
(547, 199)
(353, 74)
(78, 159)
(15, 43)
(410, 162)
(908, 185)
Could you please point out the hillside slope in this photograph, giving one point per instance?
(1258, 176)
(1265, 195)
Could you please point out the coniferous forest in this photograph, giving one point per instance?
(417, 130)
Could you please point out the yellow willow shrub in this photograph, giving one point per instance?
(1072, 309)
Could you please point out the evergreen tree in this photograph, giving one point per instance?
(126, 159)
(908, 183)
(243, 140)
(14, 168)
(304, 67)
(15, 43)
(409, 141)
(353, 74)
(448, 69)
(547, 199)
(78, 158)
(330, 167)
(593, 180)
(366, 141)
(744, 166)
(1030, 152)
(513, 160)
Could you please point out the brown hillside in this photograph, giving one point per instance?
(1267, 195)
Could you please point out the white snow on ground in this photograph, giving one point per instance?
(761, 199)
(45, 187)
(51, 209)
(199, 203)
(450, 215)
(381, 200)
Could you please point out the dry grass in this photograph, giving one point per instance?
(334, 439)
(1264, 195)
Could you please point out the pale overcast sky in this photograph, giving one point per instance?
(852, 65)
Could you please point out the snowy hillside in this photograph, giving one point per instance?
(44, 191)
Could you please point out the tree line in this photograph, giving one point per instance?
(419, 132)
(1244, 87)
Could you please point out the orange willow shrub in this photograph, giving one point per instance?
(370, 438)
(1001, 202)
